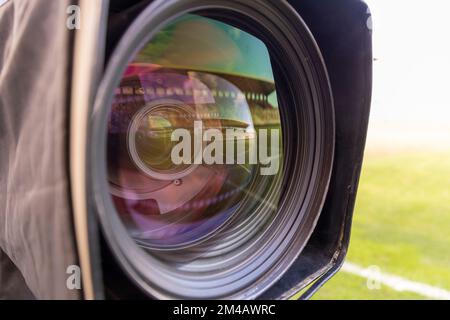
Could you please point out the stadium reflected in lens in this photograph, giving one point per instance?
(196, 74)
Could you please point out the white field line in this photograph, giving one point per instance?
(397, 283)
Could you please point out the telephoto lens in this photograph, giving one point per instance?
(214, 140)
(179, 149)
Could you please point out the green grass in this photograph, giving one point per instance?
(401, 224)
(349, 287)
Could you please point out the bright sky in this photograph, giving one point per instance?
(411, 97)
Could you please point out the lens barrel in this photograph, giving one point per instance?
(188, 218)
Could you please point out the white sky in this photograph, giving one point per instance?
(411, 96)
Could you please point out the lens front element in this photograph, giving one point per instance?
(194, 137)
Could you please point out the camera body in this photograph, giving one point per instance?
(321, 57)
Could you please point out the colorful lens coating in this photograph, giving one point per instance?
(193, 125)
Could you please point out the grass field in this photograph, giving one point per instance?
(401, 225)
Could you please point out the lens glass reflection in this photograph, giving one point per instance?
(194, 136)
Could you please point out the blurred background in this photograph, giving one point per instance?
(400, 244)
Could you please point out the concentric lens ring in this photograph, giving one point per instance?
(131, 141)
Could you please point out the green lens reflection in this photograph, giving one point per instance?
(198, 43)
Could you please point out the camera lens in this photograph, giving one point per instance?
(213, 141)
